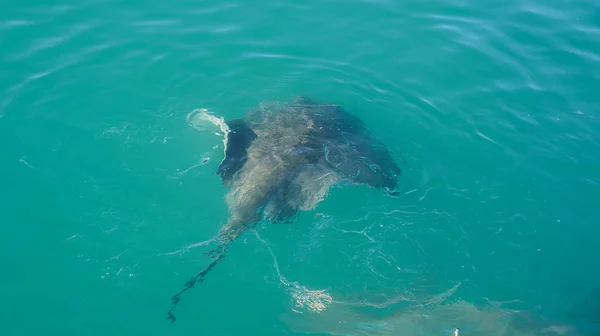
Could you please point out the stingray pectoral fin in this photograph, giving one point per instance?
(239, 138)
(363, 161)
(380, 176)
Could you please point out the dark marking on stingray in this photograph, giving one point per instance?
(239, 138)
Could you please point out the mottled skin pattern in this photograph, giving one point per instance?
(273, 161)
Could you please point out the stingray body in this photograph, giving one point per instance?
(283, 158)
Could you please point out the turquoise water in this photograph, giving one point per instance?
(491, 108)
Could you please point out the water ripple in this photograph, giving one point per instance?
(45, 43)
(492, 104)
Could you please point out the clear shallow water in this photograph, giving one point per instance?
(492, 108)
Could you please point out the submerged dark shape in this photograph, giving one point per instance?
(283, 158)
(239, 138)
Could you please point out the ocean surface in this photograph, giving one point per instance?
(109, 198)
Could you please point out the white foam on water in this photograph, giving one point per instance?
(201, 117)
(304, 298)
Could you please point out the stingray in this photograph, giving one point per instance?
(282, 159)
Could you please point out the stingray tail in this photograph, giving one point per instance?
(218, 255)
